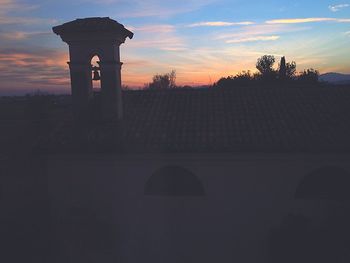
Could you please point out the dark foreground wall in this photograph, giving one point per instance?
(236, 209)
(25, 227)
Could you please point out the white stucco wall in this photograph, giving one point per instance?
(246, 196)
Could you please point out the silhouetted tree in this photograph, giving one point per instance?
(172, 78)
(244, 76)
(265, 67)
(224, 82)
(282, 69)
(309, 76)
(163, 81)
(268, 75)
(286, 71)
(125, 87)
(291, 69)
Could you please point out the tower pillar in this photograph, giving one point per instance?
(111, 89)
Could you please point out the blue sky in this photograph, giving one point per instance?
(201, 40)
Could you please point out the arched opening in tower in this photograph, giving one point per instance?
(96, 75)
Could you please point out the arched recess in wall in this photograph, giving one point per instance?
(327, 183)
(174, 181)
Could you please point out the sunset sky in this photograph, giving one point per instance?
(202, 40)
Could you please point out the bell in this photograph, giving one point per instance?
(96, 75)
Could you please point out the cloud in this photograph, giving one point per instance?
(33, 68)
(21, 35)
(173, 48)
(13, 20)
(12, 5)
(306, 20)
(159, 28)
(32, 57)
(9, 7)
(137, 63)
(253, 39)
(260, 30)
(220, 23)
(299, 20)
(347, 33)
(336, 8)
(166, 38)
(166, 42)
(160, 8)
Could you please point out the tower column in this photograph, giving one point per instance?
(111, 90)
(81, 87)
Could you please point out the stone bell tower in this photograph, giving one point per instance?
(89, 37)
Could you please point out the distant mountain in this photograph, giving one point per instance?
(335, 78)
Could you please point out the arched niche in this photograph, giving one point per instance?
(327, 183)
(174, 181)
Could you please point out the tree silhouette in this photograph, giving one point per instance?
(172, 78)
(163, 81)
(243, 77)
(265, 66)
(286, 70)
(291, 69)
(267, 75)
(282, 69)
(309, 76)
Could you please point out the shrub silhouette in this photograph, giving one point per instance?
(291, 69)
(309, 76)
(267, 75)
(163, 81)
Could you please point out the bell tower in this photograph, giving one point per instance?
(87, 38)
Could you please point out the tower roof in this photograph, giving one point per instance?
(92, 24)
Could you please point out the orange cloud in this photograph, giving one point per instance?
(28, 59)
(33, 69)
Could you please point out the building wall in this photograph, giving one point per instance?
(100, 211)
(24, 217)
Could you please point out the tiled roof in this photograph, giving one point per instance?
(92, 24)
(242, 119)
(239, 119)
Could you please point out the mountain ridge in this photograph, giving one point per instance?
(335, 78)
